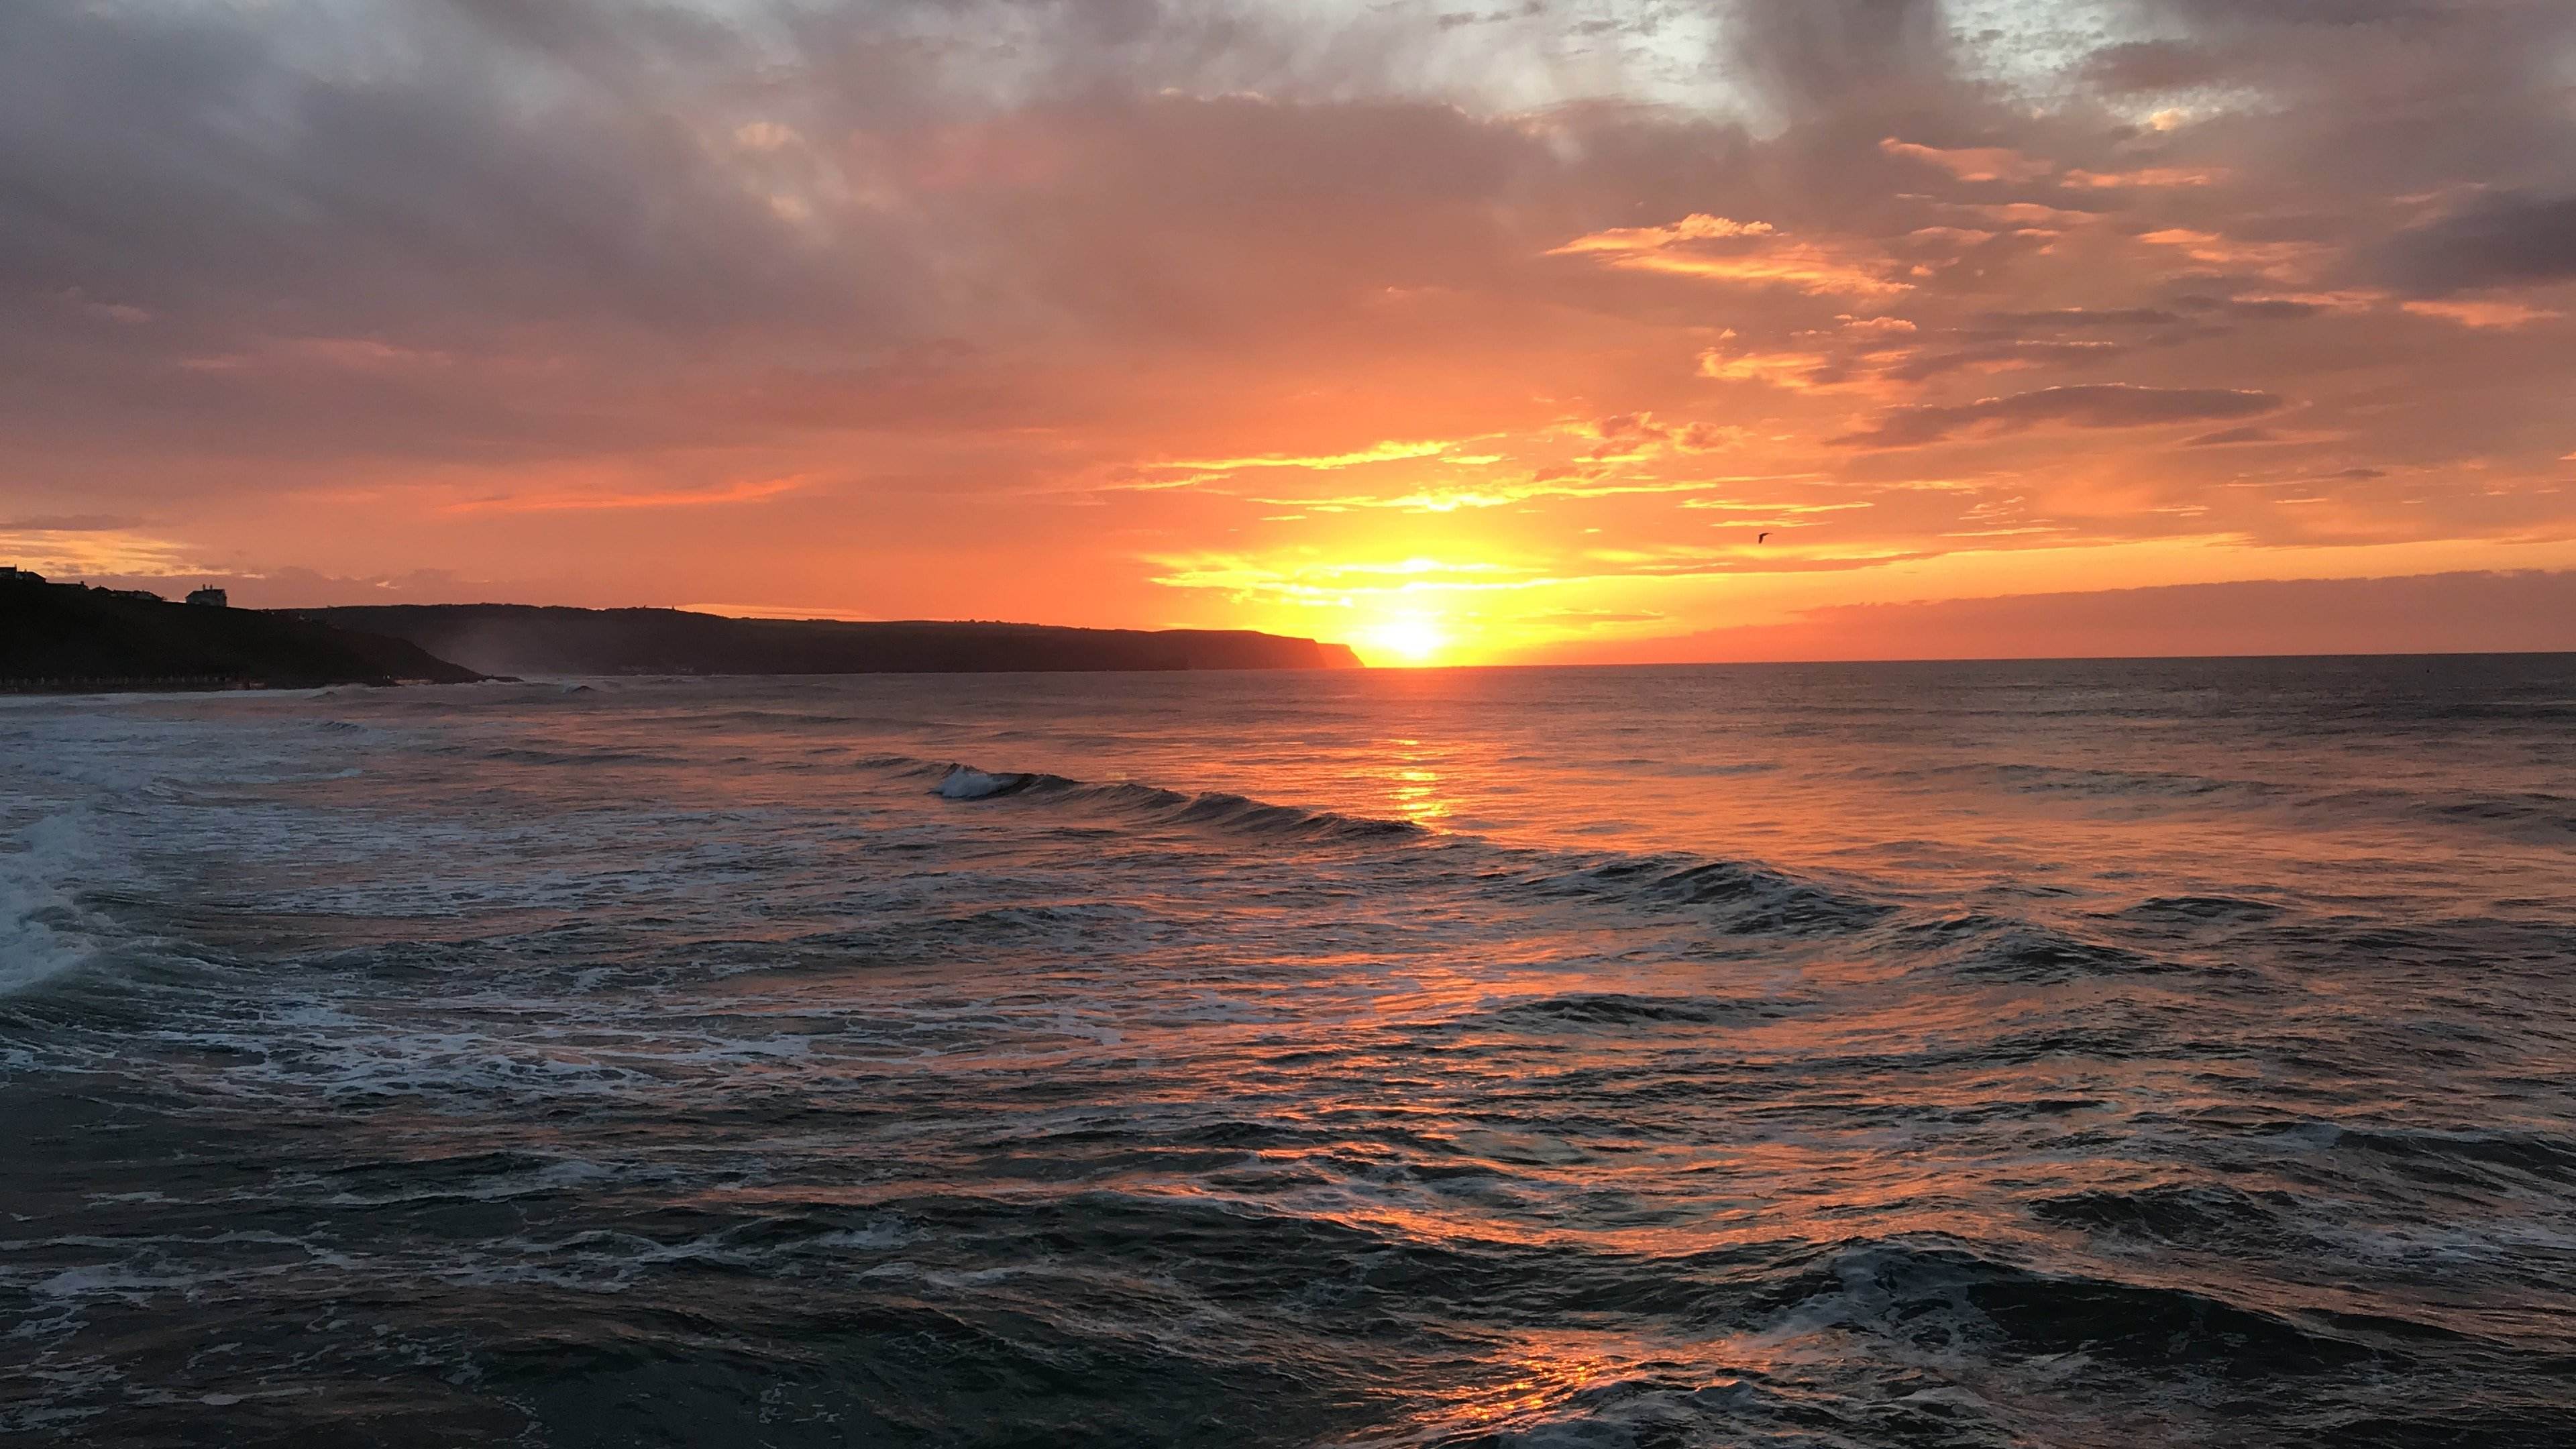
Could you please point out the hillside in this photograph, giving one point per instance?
(65, 636)
(524, 639)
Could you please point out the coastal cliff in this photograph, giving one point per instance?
(525, 639)
(70, 637)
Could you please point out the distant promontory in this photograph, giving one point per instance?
(67, 637)
(523, 639)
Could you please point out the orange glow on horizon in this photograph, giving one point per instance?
(1411, 640)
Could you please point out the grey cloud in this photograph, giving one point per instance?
(1115, 22)
(2153, 65)
(2502, 240)
(1811, 56)
(2357, 100)
(2084, 405)
(1214, 189)
(2230, 437)
(194, 166)
(2313, 13)
(1455, 19)
(2086, 317)
(2272, 309)
(2252, 309)
(2014, 353)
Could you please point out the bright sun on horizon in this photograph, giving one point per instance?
(1407, 641)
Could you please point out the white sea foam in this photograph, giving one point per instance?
(43, 931)
(965, 782)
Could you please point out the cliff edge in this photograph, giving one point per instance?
(71, 637)
(527, 639)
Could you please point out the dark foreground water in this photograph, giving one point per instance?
(2110, 1054)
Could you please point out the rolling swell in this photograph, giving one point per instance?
(1212, 809)
(2208, 1216)
(1738, 897)
(1981, 946)
(1732, 897)
(2538, 816)
(1735, 897)
(1947, 1298)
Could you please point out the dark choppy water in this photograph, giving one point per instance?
(2107, 1054)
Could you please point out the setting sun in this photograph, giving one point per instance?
(1409, 640)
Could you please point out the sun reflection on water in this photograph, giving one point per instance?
(1411, 784)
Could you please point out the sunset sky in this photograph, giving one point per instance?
(1460, 331)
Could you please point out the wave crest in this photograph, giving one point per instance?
(1741, 897)
(43, 931)
(1211, 809)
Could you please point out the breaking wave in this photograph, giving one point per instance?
(1735, 897)
(44, 932)
(1212, 809)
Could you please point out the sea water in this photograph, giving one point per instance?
(2007, 1054)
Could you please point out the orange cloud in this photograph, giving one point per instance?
(84, 551)
(1714, 248)
(1698, 226)
(1794, 371)
(352, 354)
(2283, 260)
(1972, 163)
(2021, 214)
(2483, 314)
(2145, 176)
(1385, 452)
(574, 501)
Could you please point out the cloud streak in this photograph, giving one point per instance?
(2089, 405)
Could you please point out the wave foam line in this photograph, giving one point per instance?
(1215, 809)
(1735, 898)
(42, 930)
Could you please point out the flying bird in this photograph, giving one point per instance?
(1759, 537)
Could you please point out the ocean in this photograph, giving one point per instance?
(2066, 1054)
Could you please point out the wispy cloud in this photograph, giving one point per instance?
(581, 500)
(2095, 405)
(1183, 473)
(1500, 495)
(79, 547)
(1718, 249)
(1972, 163)
(2501, 313)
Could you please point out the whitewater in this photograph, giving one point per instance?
(2068, 1054)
